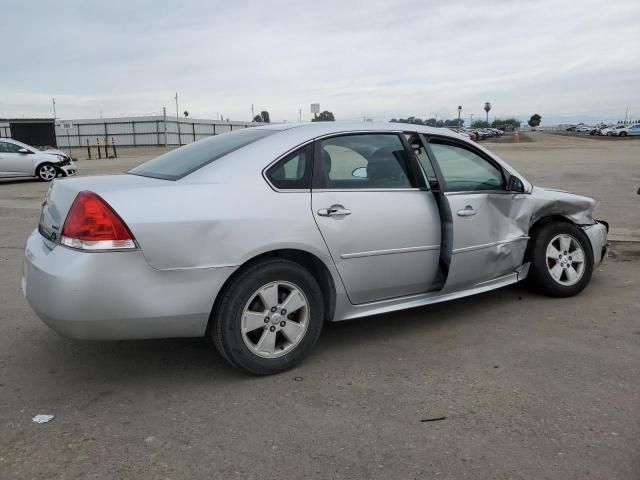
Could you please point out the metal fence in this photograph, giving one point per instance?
(142, 131)
(5, 130)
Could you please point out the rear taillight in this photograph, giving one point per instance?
(92, 224)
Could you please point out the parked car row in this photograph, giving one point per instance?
(478, 133)
(615, 130)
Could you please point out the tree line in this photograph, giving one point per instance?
(430, 122)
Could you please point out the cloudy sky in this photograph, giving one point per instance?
(566, 60)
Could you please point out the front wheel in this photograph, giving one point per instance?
(623, 134)
(561, 260)
(269, 318)
(46, 172)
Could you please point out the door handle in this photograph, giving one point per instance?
(334, 211)
(468, 211)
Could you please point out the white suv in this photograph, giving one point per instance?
(18, 159)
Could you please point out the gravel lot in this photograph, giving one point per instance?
(517, 385)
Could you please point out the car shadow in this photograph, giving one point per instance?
(15, 180)
(194, 360)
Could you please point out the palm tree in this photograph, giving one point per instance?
(487, 107)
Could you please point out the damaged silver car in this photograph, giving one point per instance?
(255, 238)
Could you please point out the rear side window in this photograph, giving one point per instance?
(293, 172)
(362, 161)
(182, 161)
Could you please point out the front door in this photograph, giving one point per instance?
(13, 162)
(487, 240)
(378, 218)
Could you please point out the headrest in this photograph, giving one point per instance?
(386, 163)
(326, 161)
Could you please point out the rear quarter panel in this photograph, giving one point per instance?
(190, 225)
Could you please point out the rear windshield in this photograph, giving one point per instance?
(182, 161)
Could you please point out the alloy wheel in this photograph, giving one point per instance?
(47, 172)
(565, 259)
(275, 319)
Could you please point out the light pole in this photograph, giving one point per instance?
(54, 108)
(459, 112)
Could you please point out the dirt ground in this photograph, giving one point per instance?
(503, 385)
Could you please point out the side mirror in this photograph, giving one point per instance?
(23, 150)
(515, 185)
(360, 172)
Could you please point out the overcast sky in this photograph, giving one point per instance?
(566, 60)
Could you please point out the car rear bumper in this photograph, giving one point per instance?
(116, 295)
(597, 234)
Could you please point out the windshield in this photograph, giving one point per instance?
(182, 161)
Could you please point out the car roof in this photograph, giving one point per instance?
(314, 129)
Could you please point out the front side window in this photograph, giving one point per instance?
(294, 171)
(362, 161)
(464, 170)
(182, 161)
(423, 159)
(6, 147)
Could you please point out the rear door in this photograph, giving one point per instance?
(378, 218)
(486, 240)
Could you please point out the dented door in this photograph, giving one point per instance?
(486, 239)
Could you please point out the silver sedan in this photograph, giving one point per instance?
(255, 238)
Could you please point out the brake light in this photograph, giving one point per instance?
(92, 224)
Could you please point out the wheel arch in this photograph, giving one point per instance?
(43, 162)
(539, 223)
(305, 259)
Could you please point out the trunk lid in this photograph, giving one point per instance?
(62, 193)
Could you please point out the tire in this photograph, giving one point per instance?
(609, 134)
(623, 134)
(46, 172)
(242, 301)
(548, 274)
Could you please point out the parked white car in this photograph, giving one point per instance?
(612, 131)
(583, 129)
(629, 130)
(18, 159)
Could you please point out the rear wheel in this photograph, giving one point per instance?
(46, 172)
(561, 260)
(269, 317)
(623, 134)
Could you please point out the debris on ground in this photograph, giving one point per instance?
(43, 418)
(434, 419)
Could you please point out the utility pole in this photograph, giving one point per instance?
(54, 108)
(178, 121)
(252, 114)
(625, 115)
(300, 116)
